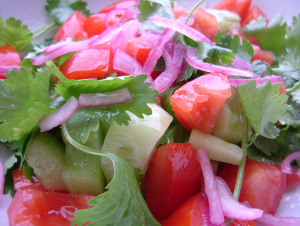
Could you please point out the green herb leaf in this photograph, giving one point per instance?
(263, 106)
(270, 37)
(139, 90)
(24, 99)
(61, 10)
(15, 34)
(293, 41)
(148, 8)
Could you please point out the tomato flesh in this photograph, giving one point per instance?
(197, 104)
(94, 24)
(253, 14)
(73, 28)
(93, 62)
(264, 56)
(8, 57)
(173, 176)
(139, 49)
(263, 184)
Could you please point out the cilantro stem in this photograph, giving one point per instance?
(294, 88)
(245, 145)
(42, 30)
(193, 10)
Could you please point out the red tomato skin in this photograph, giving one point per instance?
(264, 56)
(263, 184)
(94, 24)
(239, 7)
(194, 211)
(292, 178)
(93, 62)
(253, 14)
(197, 104)
(32, 206)
(8, 57)
(173, 176)
(242, 223)
(72, 28)
(20, 181)
(139, 49)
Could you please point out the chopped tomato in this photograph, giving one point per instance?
(195, 211)
(93, 62)
(262, 55)
(8, 57)
(239, 7)
(94, 24)
(139, 49)
(263, 184)
(292, 178)
(72, 28)
(20, 181)
(253, 14)
(242, 223)
(33, 206)
(173, 176)
(197, 104)
(204, 21)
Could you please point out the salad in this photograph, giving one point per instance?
(148, 113)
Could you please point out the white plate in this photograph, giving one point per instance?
(32, 13)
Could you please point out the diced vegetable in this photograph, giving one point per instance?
(173, 176)
(137, 141)
(216, 148)
(46, 155)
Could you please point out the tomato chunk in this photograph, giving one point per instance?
(20, 181)
(239, 7)
(263, 184)
(253, 14)
(32, 206)
(93, 62)
(8, 57)
(197, 104)
(173, 176)
(72, 28)
(264, 56)
(139, 49)
(94, 24)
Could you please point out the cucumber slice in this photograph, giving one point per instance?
(137, 141)
(45, 154)
(82, 172)
(216, 148)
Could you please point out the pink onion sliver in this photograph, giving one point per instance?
(181, 28)
(61, 115)
(286, 163)
(130, 30)
(157, 50)
(105, 99)
(232, 208)
(125, 63)
(125, 4)
(271, 220)
(272, 78)
(238, 63)
(2, 179)
(194, 61)
(3, 69)
(211, 188)
(126, 15)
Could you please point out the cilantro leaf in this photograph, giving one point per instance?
(243, 51)
(139, 90)
(15, 34)
(148, 8)
(270, 37)
(24, 99)
(293, 41)
(61, 10)
(263, 106)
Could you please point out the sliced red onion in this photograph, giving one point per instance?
(233, 208)
(176, 25)
(105, 99)
(173, 68)
(286, 163)
(211, 188)
(272, 78)
(156, 51)
(194, 61)
(61, 115)
(271, 220)
(239, 63)
(57, 50)
(125, 63)
(125, 15)
(130, 29)
(3, 69)
(2, 179)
